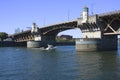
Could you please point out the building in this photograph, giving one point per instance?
(66, 37)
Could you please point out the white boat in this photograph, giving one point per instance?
(50, 47)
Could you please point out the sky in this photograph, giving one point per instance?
(22, 13)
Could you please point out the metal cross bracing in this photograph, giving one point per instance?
(111, 23)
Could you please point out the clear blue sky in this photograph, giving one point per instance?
(22, 13)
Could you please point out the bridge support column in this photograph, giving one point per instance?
(33, 44)
(105, 43)
(45, 40)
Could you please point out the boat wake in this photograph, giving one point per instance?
(49, 47)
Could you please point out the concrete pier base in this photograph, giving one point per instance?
(87, 44)
(45, 40)
(33, 44)
(104, 44)
(36, 44)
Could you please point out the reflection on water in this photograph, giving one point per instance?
(99, 65)
(63, 63)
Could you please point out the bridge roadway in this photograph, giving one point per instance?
(104, 26)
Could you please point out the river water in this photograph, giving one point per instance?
(63, 63)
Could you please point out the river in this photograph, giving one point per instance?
(63, 63)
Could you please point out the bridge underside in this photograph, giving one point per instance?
(55, 29)
(47, 31)
(24, 36)
(111, 23)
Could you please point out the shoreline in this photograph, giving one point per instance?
(24, 44)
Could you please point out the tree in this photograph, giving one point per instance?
(3, 35)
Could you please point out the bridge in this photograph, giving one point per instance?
(99, 32)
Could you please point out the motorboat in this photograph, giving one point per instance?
(50, 47)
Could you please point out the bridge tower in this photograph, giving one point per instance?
(85, 15)
(93, 38)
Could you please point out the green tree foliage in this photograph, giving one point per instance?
(3, 35)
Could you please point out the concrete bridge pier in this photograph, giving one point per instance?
(105, 43)
(45, 40)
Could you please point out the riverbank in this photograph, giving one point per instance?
(24, 44)
(65, 43)
(12, 44)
